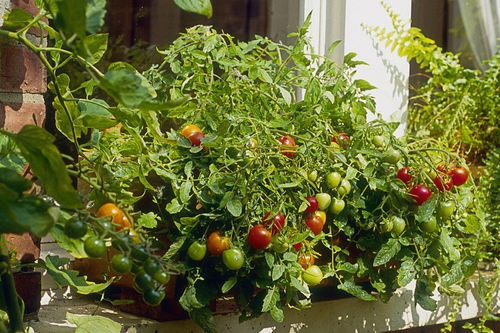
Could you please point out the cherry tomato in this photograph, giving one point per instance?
(197, 251)
(459, 175)
(190, 129)
(144, 281)
(386, 226)
(161, 276)
(312, 205)
(196, 138)
(429, 226)
(438, 181)
(404, 175)
(343, 139)
(94, 247)
(252, 144)
(278, 245)
(312, 275)
(75, 229)
(420, 194)
(337, 206)
(398, 225)
(445, 210)
(115, 215)
(153, 297)
(315, 224)
(277, 222)
(121, 263)
(288, 146)
(344, 188)
(151, 266)
(379, 141)
(333, 179)
(313, 175)
(324, 200)
(321, 214)
(233, 259)
(139, 253)
(216, 244)
(297, 246)
(392, 156)
(259, 237)
(306, 260)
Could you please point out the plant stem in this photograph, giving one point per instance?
(10, 295)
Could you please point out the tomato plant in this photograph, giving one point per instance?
(306, 260)
(445, 210)
(324, 200)
(443, 186)
(312, 205)
(342, 139)
(94, 247)
(153, 297)
(75, 228)
(337, 206)
(189, 130)
(333, 179)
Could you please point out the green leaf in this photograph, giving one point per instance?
(174, 206)
(229, 284)
(277, 272)
(204, 317)
(16, 19)
(93, 47)
(234, 206)
(95, 13)
(202, 7)
(28, 214)
(185, 192)
(92, 324)
(45, 160)
(174, 248)
(425, 212)
(447, 243)
(387, 252)
(269, 259)
(299, 286)
(406, 273)
(126, 87)
(355, 290)
(149, 220)
(364, 85)
(71, 17)
(73, 246)
(272, 297)
(423, 294)
(277, 313)
(94, 115)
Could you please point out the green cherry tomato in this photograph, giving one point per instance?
(430, 225)
(333, 179)
(312, 275)
(121, 263)
(75, 229)
(278, 245)
(94, 247)
(144, 281)
(151, 266)
(379, 141)
(398, 225)
(392, 156)
(344, 188)
(313, 175)
(139, 253)
(445, 210)
(386, 226)
(233, 258)
(161, 276)
(324, 200)
(197, 251)
(153, 297)
(337, 206)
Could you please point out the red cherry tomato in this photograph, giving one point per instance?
(404, 175)
(288, 146)
(420, 194)
(313, 205)
(315, 224)
(196, 138)
(259, 237)
(343, 139)
(459, 175)
(446, 186)
(189, 130)
(297, 246)
(277, 222)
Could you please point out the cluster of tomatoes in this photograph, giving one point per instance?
(114, 224)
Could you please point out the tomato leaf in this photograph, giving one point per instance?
(202, 7)
(174, 248)
(423, 294)
(425, 212)
(95, 13)
(204, 317)
(277, 272)
(73, 246)
(229, 284)
(387, 252)
(234, 206)
(174, 206)
(93, 323)
(16, 19)
(355, 290)
(300, 287)
(406, 273)
(447, 242)
(96, 116)
(93, 47)
(149, 220)
(271, 298)
(269, 259)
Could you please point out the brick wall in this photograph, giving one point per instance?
(22, 84)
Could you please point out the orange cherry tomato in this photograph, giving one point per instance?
(306, 260)
(216, 244)
(189, 130)
(115, 215)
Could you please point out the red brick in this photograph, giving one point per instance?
(21, 70)
(27, 5)
(14, 115)
(26, 246)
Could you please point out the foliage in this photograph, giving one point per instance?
(93, 324)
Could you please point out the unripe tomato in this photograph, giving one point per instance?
(312, 205)
(121, 263)
(189, 130)
(321, 214)
(312, 275)
(324, 200)
(153, 297)
(445, 210)
(75, 229)
(306, 260)
(315, 224)
(429, 226)
(333, 179)
(398, 225)
(288, 146)
(386, 226)
(151, 266)
(313, 175)
(216, 244)
(404, 175)
(438, 181)
(259, 237)
(337, 206)
(94, 247)
(379, 141)
(233, 259)
(144, 281)
(344, 188)
(392, 156)
(197, 251)
(420, 193)
(278, 245)
(343, 139)
(277, 222)
(459, 175)
(161, 276)
(139, 253)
